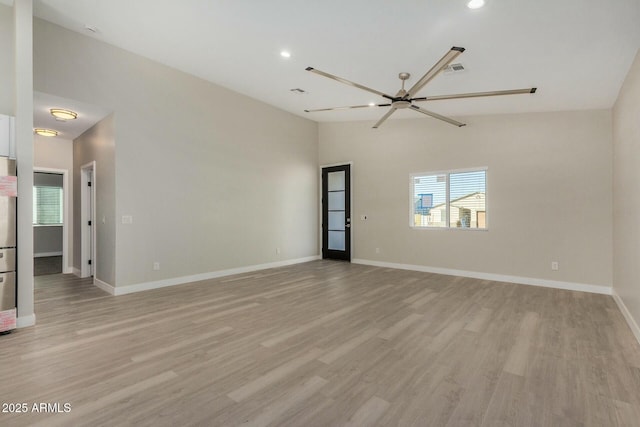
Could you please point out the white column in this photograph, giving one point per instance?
(23, 107)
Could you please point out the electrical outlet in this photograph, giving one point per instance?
(554, 265)
(127, 219)
(156, 266)
(377, 250)
(278, 251)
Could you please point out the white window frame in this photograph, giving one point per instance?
(412, 178)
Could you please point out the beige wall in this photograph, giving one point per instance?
(97, 144)
(6, 61)
(626, 192)
(195, 164)
(549, 192)
(54, 153)
(47, 240)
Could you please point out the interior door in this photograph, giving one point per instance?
(336, 212)
(90, 221)
(87, 221)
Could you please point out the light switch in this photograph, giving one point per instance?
(127, 219)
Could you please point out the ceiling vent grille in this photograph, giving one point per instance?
(453, 68)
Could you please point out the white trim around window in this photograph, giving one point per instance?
(442, 196)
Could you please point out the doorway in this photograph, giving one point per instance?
(51, 221)
(87, 219)
(336, 212)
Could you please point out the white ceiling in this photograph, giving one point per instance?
(88, 115)
(577, 52)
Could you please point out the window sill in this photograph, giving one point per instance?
(48, 225)
(448, 228)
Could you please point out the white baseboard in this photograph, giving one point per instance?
(633, 325)
(139, 287)
(75, 271)
(46, 254)
(606, 290)
(104, 286)
(25, 321)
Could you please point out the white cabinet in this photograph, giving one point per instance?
(7, 137)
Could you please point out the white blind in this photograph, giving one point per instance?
(430, 197)
(47, 205)
(450, 199)
(467, 195)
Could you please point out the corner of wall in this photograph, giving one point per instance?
(626, 197)
(633, 325)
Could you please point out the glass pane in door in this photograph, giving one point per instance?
(336, 189)
(336, 221)
(336, 181)
(336, 201)
(336, 240)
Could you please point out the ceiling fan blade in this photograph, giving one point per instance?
(347, 108)
(348, 82)
(435, 70)
(477, 94)
(437, 116)
(385, 117)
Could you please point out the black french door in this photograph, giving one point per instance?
(336, 212)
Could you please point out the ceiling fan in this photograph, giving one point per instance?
(406, 98)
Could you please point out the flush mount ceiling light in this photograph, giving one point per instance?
(62, 114)
(475, 4)
(45, 132)
(285, 54)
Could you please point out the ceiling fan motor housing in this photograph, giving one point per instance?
(401, 103)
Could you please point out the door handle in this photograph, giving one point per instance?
(348, 225)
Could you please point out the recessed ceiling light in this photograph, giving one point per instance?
(372, 104)
(46, 132)
(62, 114)
(285, 54)
(475, 4)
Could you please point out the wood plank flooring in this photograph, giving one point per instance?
(323, 344)
(47, 265)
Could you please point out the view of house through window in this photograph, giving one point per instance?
(47, 205)
(450, 199)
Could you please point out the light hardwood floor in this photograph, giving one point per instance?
(323, 344)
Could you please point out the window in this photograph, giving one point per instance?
(47, 205)
(454, 199)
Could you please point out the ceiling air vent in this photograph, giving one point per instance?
(298, 91)
(453, 68)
